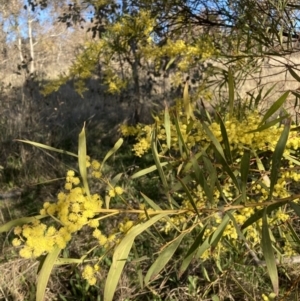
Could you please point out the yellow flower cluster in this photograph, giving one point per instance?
(125, 226)
(96, 166)
(141, 25)
(73, 210)
(141, 147)
(240, 135)
(89, 274)
(39, 239)
(127, 130)
(186, 52)
(115, 191)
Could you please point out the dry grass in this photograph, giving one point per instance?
(17, 279)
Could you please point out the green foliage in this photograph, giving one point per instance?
(226, 180)
(226, 185)
(128, 43)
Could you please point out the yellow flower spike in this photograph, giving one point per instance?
(17, 230)
(73, 217)
(26, 231)
(68, 186)
(111, 237)
(92, 281)
(16, 242)
(102, 239)
(70, 173)
(61, 196)
(94, 223)
(43, 212)
(265, 297)
(125, 227)
(51, 231)
(96, 165)
(118, 190)
(89, 275)
(112, 193)
(75, 181)
(26, 252)
(96, 174)
(97, 233)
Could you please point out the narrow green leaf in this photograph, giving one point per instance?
(121, 254)
(269, 256)
(213, 175)
(171, 61)
(292, 159)
(269, 124)
(270, 90)
(191, 252)
(44, 274)
(279, 35)
(167, 127)
(145, 171)
(189, 164)
(205, 274)
(238, 230)
(275, 107)
(116, 179)
(214, 238)
(140, 259)
(158, 208)
(157, 161)
(181, 140)
(295, 207)
(163, 258)
(186, 102)
(190, 126)
(293, 73)
(262, 169)
(231, 91)
(258, 214)
(109, 186)
(190, 198)
(19, 222)
(152, 204)
(117, 145)
(256, 99)
(220, 154)
(295, 129)
(225, 140)
(276, 158)
(297, 94)
(294, 233)
(214, 140)
(136, 262)
(245, 166)
(82, 157)
(178, 186)
(227, 168)
(50, 148)
(201, 180)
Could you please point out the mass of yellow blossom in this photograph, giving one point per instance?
(242, 134)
